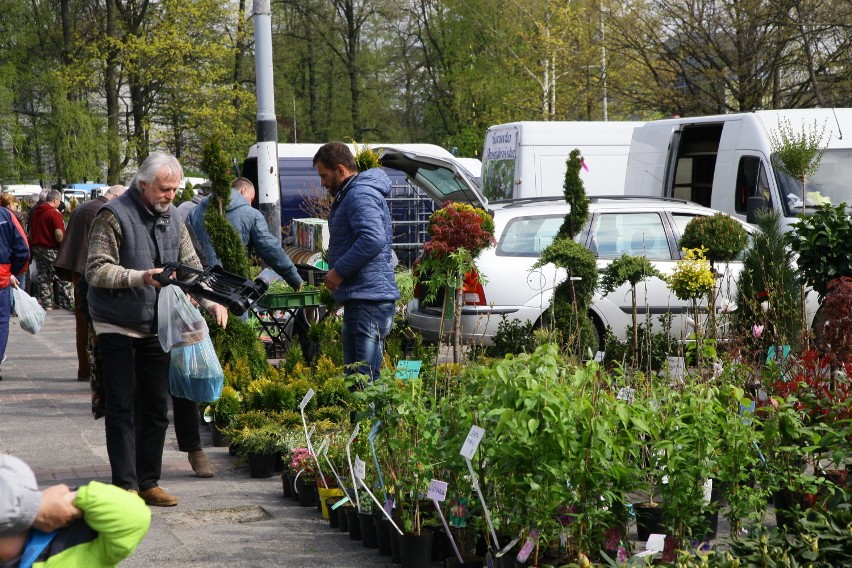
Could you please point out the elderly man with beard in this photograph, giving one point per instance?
(132, 237)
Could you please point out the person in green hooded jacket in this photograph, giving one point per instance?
(113, 523)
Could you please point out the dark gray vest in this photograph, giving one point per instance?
(147, 241)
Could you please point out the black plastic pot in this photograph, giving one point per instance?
(220, 440)
(369, 538)
(415, 551)
(333, 520)
(307, 492)
(342, 519)
(383, 537)
(394, 538)
(649, 520)
(354, 523)
(453, 562)
(261, 465)
(287, 485)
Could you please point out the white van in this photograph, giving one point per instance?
(527, 159)
(725, 162)
(22, 190)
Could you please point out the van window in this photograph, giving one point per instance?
(528, 236)
(751, 182)
(636, 234)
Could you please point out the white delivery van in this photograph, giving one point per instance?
(725, 162)
(527, 159)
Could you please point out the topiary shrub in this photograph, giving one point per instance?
(722, 236)
(572, 298)
(575, 196)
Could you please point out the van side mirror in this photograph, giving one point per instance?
(754, 205)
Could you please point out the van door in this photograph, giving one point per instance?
(751, 181)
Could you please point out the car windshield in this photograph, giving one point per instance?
(829, 185)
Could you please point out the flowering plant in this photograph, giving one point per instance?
(302, 460)
(692, 275)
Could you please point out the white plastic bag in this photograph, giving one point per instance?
(179, 323)
(30, 313)
(196, 373)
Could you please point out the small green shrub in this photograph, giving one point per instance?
(513, 336)
(723, 237)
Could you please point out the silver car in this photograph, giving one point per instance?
(510, 287)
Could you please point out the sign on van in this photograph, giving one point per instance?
(22, 189)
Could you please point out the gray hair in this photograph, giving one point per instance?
(157, 163)
(53, 195)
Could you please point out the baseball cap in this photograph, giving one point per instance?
(19, 490)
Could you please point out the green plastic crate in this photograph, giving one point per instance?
(290, 300)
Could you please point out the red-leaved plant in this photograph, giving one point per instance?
(458, 225)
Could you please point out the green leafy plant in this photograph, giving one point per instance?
(226, 406)
(823, 243)
(798, 152)
(631, 269)
(767, 292)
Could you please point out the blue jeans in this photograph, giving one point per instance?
(5, 312)
(366, 325)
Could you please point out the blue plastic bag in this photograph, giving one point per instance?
(196, 373)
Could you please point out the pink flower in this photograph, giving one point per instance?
(622, 555)
(757, 330)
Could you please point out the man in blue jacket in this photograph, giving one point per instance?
(359, 255)
(252, 228)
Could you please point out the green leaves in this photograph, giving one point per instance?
(823, 242)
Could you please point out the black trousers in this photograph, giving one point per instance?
(186, 424)
(136, 390)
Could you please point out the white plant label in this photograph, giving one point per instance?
(437, 490)
(308, 396)
(354, 434)
(360, 468)
(472, 441)
(708, 491)
(656, 542)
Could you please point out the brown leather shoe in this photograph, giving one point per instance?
(200, 464)
(157, 497)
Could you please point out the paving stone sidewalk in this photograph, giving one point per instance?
(230, 520)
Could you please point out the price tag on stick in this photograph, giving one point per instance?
(360, 468)
(474, 436)
(438, 492)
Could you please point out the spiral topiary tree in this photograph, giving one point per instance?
(575, 196)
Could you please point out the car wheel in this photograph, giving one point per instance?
(600, 330)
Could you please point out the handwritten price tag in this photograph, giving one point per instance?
(360, 468)
(308, 396)
(472, 441)
(437, 490)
